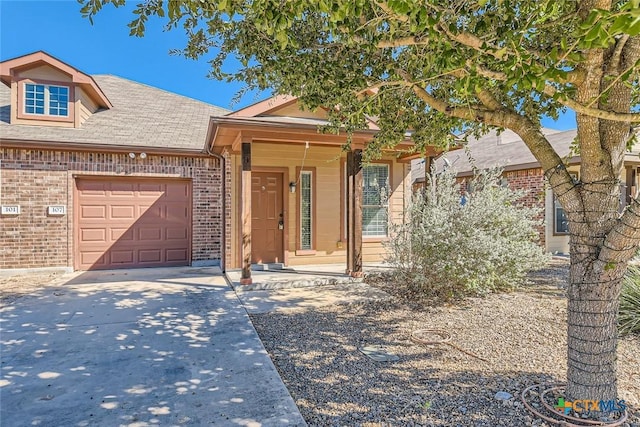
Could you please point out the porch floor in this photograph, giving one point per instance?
(299, 276)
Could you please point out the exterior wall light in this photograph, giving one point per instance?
(292, 187)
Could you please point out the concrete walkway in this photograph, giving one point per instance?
(137, 348)
(304, 288)
(307, 298)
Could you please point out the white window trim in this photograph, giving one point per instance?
(384, 205)
(311, 208)
(47, 99)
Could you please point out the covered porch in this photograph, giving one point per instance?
(298, 198)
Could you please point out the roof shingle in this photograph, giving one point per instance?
(142, 116)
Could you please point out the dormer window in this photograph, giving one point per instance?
(47, 100)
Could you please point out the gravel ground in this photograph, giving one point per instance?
(521, 335)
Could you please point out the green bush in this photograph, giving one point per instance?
(629, 313)
(448, 250)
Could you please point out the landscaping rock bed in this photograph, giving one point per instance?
(520, 334)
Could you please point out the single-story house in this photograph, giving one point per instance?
(522, 171)
(100, 172)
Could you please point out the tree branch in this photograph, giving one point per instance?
(614, 61)
(404, 41)
(621, 243)
(593, 112)
(486, 97)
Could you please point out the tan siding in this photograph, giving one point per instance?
(87, 106)
(295, 111)
(326, 161)
(45, 72)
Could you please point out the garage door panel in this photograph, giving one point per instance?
(93, 188)
(151, 190)
(132, 222)
(173, 233)
(121, 256)
(176, 192)
(123, 188)
(177, 213)
(94, 235)
(150, 255)
(93, 258)
(121, 234)
(149, 234)
(123, 212)
(177, 255)
(93, 212)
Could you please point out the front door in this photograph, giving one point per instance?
(267, 217)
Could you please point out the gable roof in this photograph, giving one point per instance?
(506, 150)
(285, 109)
(142, 116)
(36, 59)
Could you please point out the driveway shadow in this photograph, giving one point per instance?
(163, 347)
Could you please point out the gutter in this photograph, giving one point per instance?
(102, 148)
(223, 165)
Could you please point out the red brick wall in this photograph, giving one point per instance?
(35, 179)
(532, 181)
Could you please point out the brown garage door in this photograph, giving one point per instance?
(131, 223)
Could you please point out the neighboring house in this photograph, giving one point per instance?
(522, 171)
(100, 172)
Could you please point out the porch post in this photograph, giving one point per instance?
(357, 213)
(245, 214)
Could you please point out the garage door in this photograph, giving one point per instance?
(131, 223)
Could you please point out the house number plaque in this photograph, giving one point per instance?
(10, 210)
(57, 210)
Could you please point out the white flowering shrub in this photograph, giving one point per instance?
(452, 246)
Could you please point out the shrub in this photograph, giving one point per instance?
(450, 247)
(629, 312)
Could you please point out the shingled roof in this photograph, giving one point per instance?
(505, 150)
(142, 116)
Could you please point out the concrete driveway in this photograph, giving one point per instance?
(137, 348)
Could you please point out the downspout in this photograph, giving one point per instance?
(223, 166)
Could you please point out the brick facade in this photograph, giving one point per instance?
(532, 181)
(36, 179)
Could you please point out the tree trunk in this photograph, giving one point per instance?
(593, 299)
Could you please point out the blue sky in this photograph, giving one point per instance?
(57, 27)
(105, 47)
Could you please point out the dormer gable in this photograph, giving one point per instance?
(48, 92)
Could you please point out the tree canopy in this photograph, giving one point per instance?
(439, 68)
(434, 67)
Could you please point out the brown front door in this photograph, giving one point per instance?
(267, 217)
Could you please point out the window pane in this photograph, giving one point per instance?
(560, 220)
(58, 100)
(33, 98)
(375, 181)
(375, 184)
(305, 210)
(374, 221)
